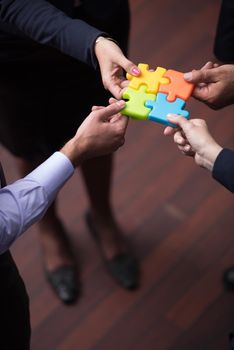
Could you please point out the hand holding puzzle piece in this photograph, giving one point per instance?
(154, 94)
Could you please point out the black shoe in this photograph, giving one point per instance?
(123, 267)
(228, 279)
(64, 283)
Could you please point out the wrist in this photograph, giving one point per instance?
(209, 156)
(73, 153)
(102, 39)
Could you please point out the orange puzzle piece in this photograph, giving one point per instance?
(152, 79)
(178, 87)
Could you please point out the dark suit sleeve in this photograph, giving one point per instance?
(223, 170)
(45, 24)
(224, 39)
(231, 341)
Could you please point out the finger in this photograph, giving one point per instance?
(178, 120)
(128, 66)
(179, 139)
(121, 121)
(208, 65)
(124, 84)
(124, 122)
(201, 85)
(96, 108)
(116, 90)
(181, 148)
(114, 118)
(121, 142)
(199, 122)
(114, 108)
(188, 152)
(187, 148)
(169, 131)
(112, 100)
(200, 76)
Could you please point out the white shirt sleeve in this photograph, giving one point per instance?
(26, 200)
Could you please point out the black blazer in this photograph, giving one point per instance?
(231, 341)
(46, 22)
(223, 170)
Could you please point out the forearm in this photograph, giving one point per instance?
(44, 23)
(15, 217)
(25, 201)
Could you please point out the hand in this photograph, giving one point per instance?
(102, 132)
(112, 64)
(215, 84)
(193, 139)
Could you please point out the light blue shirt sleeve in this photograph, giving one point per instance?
(26, 200)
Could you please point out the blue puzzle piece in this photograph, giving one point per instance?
(161, 107)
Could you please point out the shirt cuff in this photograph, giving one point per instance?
(53, 173)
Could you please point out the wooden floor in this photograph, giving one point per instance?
(178, 219)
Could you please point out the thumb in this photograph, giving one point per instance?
(107, 112)
(179, 121)
(200, 76)
(129, 66)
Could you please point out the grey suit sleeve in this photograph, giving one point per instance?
(45, 24)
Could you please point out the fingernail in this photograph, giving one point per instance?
(188, 76)
(171, 115)
(121, 103)
(135, 71)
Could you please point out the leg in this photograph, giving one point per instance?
(57, 253)
(29, 88)
(98, 186)
(123, 267)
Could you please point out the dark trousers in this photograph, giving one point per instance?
(14, 307)
(224, 40)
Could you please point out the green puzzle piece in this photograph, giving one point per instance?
(135, 107)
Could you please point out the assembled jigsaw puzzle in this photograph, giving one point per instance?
(154, 94)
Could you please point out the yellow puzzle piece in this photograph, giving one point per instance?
(152, 79)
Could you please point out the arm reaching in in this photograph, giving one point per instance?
(214, 84)
(113, 65)
(45, 24)
(25, 201)
(102, 132)
(42, 22)
(193, 139)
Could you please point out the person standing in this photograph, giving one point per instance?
(26, 201)
(58, 60)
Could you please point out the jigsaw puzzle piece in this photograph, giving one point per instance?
(161, 107)
(177, 88)
(135, 107)
(151, 79)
